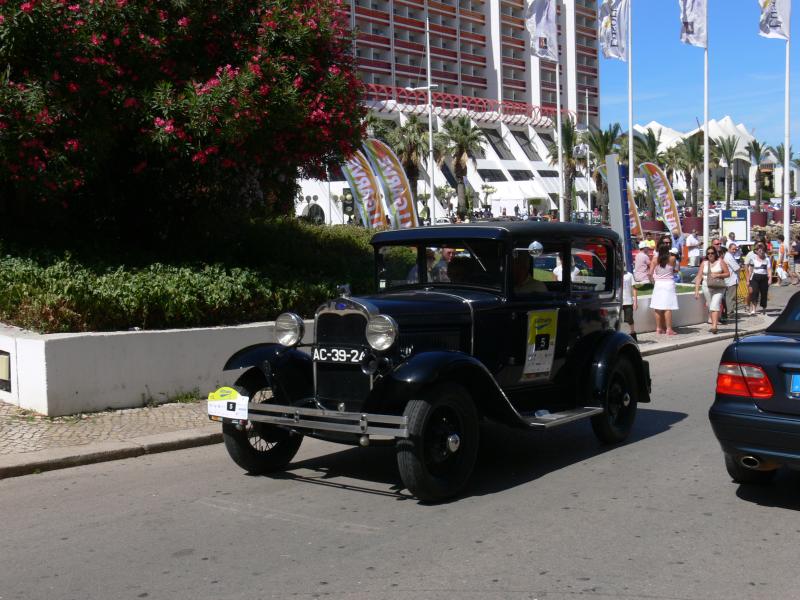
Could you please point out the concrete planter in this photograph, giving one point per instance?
(691, 312)
(63, 374)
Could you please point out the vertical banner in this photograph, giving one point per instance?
(616, 207)
(359, 175)
(612, 29)
(693, 22)
(634, 223)
(775, 17)
(665, 200)
(395, 185)
(540, 19)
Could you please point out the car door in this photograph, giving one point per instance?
(533, 316)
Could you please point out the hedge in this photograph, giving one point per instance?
(266, 269)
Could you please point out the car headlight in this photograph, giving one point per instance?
(381, 332)
(289, 329)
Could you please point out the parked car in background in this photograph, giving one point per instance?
(513, 322)
(756, 410)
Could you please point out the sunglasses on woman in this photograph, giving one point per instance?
(711, 253)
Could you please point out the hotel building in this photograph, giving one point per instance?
(481, 65)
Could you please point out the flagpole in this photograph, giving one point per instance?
(588, 156)
(630, 102)
(706, 182)
(561, 216)
(786, 152)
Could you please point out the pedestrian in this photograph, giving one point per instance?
(785, 274)
(713, 273)
(630, 302)
(732, 283)
(648, 238)
(664, 299)
(759, 275)
(678, 241)
(693, 248)
(641, 264)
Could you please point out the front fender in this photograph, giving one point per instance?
(607, 351)
(410, 379)
(285, 368)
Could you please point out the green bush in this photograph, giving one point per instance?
(266, 269)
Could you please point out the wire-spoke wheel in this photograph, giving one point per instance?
(259, 448)
(614, 424)
(437, 458)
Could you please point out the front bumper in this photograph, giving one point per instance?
(742, 429)
(316, 419)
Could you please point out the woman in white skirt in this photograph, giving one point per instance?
(664, 299)
(712, 272)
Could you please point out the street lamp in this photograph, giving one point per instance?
(429, 87)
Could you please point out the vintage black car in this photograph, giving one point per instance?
(756, 410)
(469, 322)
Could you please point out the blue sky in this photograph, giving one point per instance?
(746, 72)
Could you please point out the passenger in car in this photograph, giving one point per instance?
(521, 275)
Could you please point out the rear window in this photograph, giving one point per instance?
(789, 320)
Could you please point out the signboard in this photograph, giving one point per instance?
(736, 222)
(541, 347)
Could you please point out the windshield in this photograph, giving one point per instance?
(448, 263)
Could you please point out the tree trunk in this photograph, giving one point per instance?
(758, 191)
(727, 188)
(462, 197)
(695, 190)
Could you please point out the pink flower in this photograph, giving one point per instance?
(130, 103)
(73, 87)
(26, 7)
(72, 145)
(183, 22)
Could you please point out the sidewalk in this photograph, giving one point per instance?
(30, 443)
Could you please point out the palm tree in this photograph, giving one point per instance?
(378, 128)
(690, 151)
(569, 139)
(671, 161)
(645, 149)
(601, 144)
(726, 149)
(410, 144)
(758, 152)
(461, 141)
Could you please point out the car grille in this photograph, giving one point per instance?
(341, 383)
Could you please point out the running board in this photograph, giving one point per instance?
(544, 420)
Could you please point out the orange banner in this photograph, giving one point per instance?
(665, 199)
(635, 223)
(366, 190)
(395, 185)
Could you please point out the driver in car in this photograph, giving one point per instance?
(521, 273)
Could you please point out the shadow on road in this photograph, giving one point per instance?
(781, 493)
(507, 458)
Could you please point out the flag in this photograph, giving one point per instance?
(540, 20)
(634, 223)
(693, 22)
(665, 200)
(366, 190)
(395, 185)
(614, 20)
(775, 16)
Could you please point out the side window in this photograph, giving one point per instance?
(592, 266)
(537, 275)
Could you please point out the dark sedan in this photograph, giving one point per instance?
(756, 410)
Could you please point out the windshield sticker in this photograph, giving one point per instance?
(541, 347)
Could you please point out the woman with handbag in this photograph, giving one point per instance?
(759, 275)
(712, 273)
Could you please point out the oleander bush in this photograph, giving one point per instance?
(158, 116)
(269, 268)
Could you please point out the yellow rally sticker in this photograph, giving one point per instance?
(224, 393)
(541, 344)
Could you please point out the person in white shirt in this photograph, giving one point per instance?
(558, 272)
(630, 302)
(693, 248)
(732, 282)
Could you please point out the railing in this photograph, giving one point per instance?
(444, 105)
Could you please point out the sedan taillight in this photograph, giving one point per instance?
(734, 379)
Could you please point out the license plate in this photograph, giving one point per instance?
(794, 388)
(338, 355)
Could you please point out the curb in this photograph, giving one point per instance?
(15, 465)
(701, 341)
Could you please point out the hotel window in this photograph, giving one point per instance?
(492, 175)
(496, 140)
(525, 144)
(521, 175)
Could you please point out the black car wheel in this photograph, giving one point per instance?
(259, 448)
(437, 458)
(742, 474)
(613, 425)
